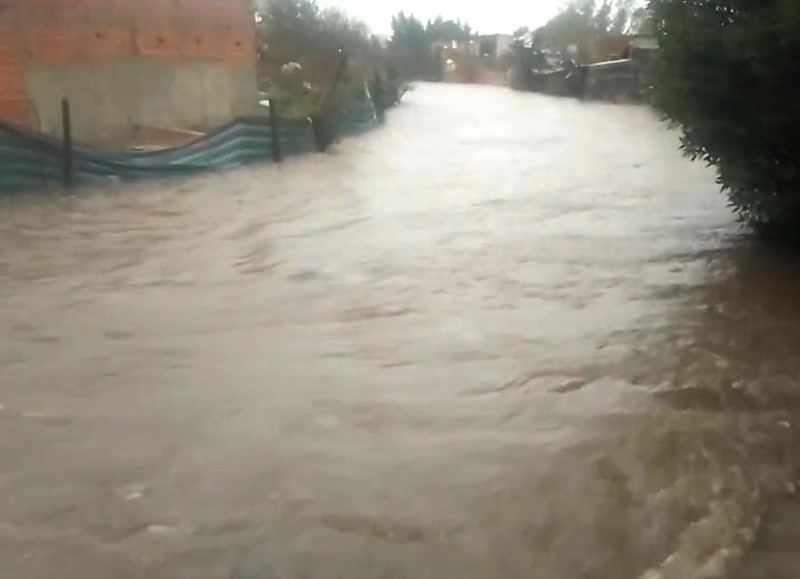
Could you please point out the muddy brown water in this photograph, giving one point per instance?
(506, 336)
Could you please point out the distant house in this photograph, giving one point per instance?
(494, 46)
(126, 63)
(479, 59)
(608, 66)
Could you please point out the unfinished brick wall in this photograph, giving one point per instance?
(14, 105)
(63, 32)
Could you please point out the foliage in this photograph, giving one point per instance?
(642, 22)
(727, 76)
(524, 57)
(301, 51)
(575, 26)
(408, 29)
(581, 20)
(410, 47)
(412, 42)
(443, 30)
(302, 32)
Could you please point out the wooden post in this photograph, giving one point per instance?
(277, 153)
(379, 95)
(322, 137)
(66, 125)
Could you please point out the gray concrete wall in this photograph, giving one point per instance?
(110, 99)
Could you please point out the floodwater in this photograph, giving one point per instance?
(506, 336)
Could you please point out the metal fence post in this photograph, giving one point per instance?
(66, 125)
(277, 153)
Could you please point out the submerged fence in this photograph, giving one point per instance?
(32, 160)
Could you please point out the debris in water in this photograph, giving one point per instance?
(163, 530)
(134, 492)
(253, 568)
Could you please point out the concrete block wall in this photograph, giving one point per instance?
(126, 63)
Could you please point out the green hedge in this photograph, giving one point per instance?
(728, 74)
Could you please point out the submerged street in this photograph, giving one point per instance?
(505, 336)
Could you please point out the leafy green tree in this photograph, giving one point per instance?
(727, 75)
(441, 29)
(409, 31)
(413, 43)
(568, 27)
(410, 46)
(642, 22)
(299, 31)
(525, 56)
(602, 18)
(621, 21)
(580, 20)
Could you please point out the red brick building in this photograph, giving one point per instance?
(126, 63)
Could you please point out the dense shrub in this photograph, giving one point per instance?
(729, 76)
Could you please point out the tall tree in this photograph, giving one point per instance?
(300, 31)
(642, 22)
(621, 21)
(413, 43)
(410, 47)
(441, 29)
(408, 31)
(581, 20)
(568, 27)
(602, 18)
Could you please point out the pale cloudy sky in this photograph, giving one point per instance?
(487, 16)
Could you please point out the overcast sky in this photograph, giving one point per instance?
(487, 16)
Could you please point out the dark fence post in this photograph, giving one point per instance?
(322, 135)
(340, 71)
(66, 124)
(277, 153)
(379, 95)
